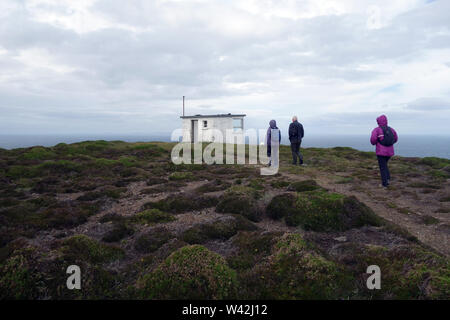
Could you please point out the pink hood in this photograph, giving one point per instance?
(382, 121)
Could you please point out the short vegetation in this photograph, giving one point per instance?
(141, 227)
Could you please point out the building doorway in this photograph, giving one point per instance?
(194, 131)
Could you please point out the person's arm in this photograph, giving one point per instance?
(269, 136)
(301, 131)
(290, 131)
(374, 136)
(395, 135)
(279, 136)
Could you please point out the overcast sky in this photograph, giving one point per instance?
(114, 66)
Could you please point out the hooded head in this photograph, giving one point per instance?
(382, 121)
(273, 124)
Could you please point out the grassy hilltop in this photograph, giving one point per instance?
(141, 227)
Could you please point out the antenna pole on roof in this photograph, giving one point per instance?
(183, 106)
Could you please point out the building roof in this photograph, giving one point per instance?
(224, 115)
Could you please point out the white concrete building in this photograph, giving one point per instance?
(199, 128)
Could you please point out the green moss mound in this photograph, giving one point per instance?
(172, 186)
(155, 180)
(38, 153)
(215, 185)
(153, 216)
(112, 217)
(302, 186)
(18, 277)
(323, 211)
(153, 240)
(281, 206)
(182, 203)
(240, 200)
(177, 176)
(408, 271)
(85, 249)
(45, 213)
(296, 271)
(97, 283)
(279, 184)
(222, 228)
(252, 247)
(257, 184)
(110, 192)
(119, 232)
(29, 274)
(434, 162)
(192, 272)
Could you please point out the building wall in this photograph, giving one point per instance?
(206, 134)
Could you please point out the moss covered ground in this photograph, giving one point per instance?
(143, 228)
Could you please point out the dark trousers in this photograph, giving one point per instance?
(295, 148)
(384, 170)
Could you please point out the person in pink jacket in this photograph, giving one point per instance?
(384, 138)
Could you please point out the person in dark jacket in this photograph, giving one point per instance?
(296, 134)
(384, 153)
(272, 125)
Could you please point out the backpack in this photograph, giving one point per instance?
(388, 139)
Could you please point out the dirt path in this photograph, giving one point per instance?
(395, 206)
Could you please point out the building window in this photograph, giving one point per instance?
(205, 124)
(238, 124)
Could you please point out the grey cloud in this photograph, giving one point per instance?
(18, 31)
(429, 104)
(187, 55)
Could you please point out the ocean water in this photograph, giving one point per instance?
(408, 145)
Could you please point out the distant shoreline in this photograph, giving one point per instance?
(408, 146)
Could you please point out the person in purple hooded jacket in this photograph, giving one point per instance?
(272, 125)
(384, 152)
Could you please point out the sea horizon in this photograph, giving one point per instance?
(407, 146)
